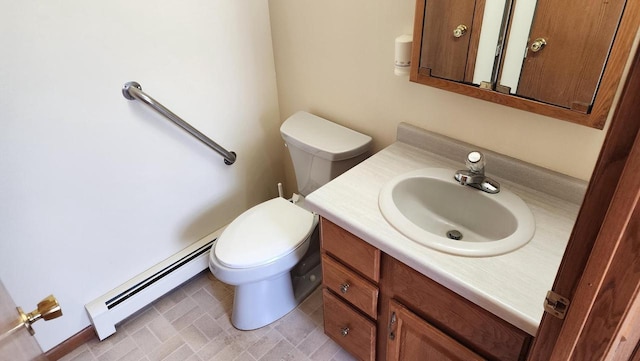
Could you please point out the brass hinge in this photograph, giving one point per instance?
(556, 304)
(503, 89)
(486, 85)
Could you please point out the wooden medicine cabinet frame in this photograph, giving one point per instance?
(611, 77)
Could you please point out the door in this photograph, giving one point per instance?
(568, 75)
(19, 346)
(450, 38)
(412, 338)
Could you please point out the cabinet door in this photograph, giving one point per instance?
(444, 54)
(412, 338)
(578, 36)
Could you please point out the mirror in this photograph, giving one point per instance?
(560, 59)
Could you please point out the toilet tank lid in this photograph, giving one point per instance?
(323, 138)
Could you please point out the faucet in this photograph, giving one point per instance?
(474, 176)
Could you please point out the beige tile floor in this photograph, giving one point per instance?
(192, 323)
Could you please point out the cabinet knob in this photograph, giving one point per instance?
(459, 30)
(344, 331)
(344, 287)
(538, 44)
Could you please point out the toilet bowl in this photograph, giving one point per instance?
(270, 253)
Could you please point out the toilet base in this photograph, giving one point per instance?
(260, 303)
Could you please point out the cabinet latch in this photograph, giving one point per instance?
(556, 304)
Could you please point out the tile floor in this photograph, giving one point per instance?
(192, 323)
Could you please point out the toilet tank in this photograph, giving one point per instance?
(321, 150)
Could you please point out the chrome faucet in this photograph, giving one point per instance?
(474, 176)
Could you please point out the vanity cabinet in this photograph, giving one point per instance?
(378, 308)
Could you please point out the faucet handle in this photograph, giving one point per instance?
(475, 162)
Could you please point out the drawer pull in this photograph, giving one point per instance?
(344, 331)
(344, 287)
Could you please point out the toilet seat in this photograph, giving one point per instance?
(263, 234)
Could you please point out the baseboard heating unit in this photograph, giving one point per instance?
(116, 305)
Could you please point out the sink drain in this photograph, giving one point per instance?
(454, 234)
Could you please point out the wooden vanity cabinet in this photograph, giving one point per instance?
(378, 308)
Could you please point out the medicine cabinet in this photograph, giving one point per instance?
(562, 59)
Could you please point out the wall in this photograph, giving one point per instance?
(335, 58)
(94, 188)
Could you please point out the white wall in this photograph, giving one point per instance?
(335, 58)
(94, 188)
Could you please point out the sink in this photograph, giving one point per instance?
(429, 207)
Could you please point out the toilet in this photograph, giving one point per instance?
(271, 252)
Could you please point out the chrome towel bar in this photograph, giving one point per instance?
(133, 90)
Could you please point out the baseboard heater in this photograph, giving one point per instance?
(123, 301)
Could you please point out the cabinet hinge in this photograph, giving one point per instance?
(486, 85)
(556, 305)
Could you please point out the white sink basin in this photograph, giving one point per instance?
(428, 204)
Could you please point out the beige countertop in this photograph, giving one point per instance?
(512, 286)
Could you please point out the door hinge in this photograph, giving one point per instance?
(556, 305)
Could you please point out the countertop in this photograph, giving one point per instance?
(512, 286)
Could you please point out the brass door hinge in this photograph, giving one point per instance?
(556, 304)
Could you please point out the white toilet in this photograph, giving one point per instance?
(271, 252)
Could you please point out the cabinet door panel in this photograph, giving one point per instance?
(415, 339)
(578, 34)
(442, 53)
(463, 320)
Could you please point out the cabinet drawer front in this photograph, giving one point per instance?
(354, 332)
(350, 286)
(358, 254)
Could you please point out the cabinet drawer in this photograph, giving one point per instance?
(354, 332)
(358, 254)
(350, 286)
